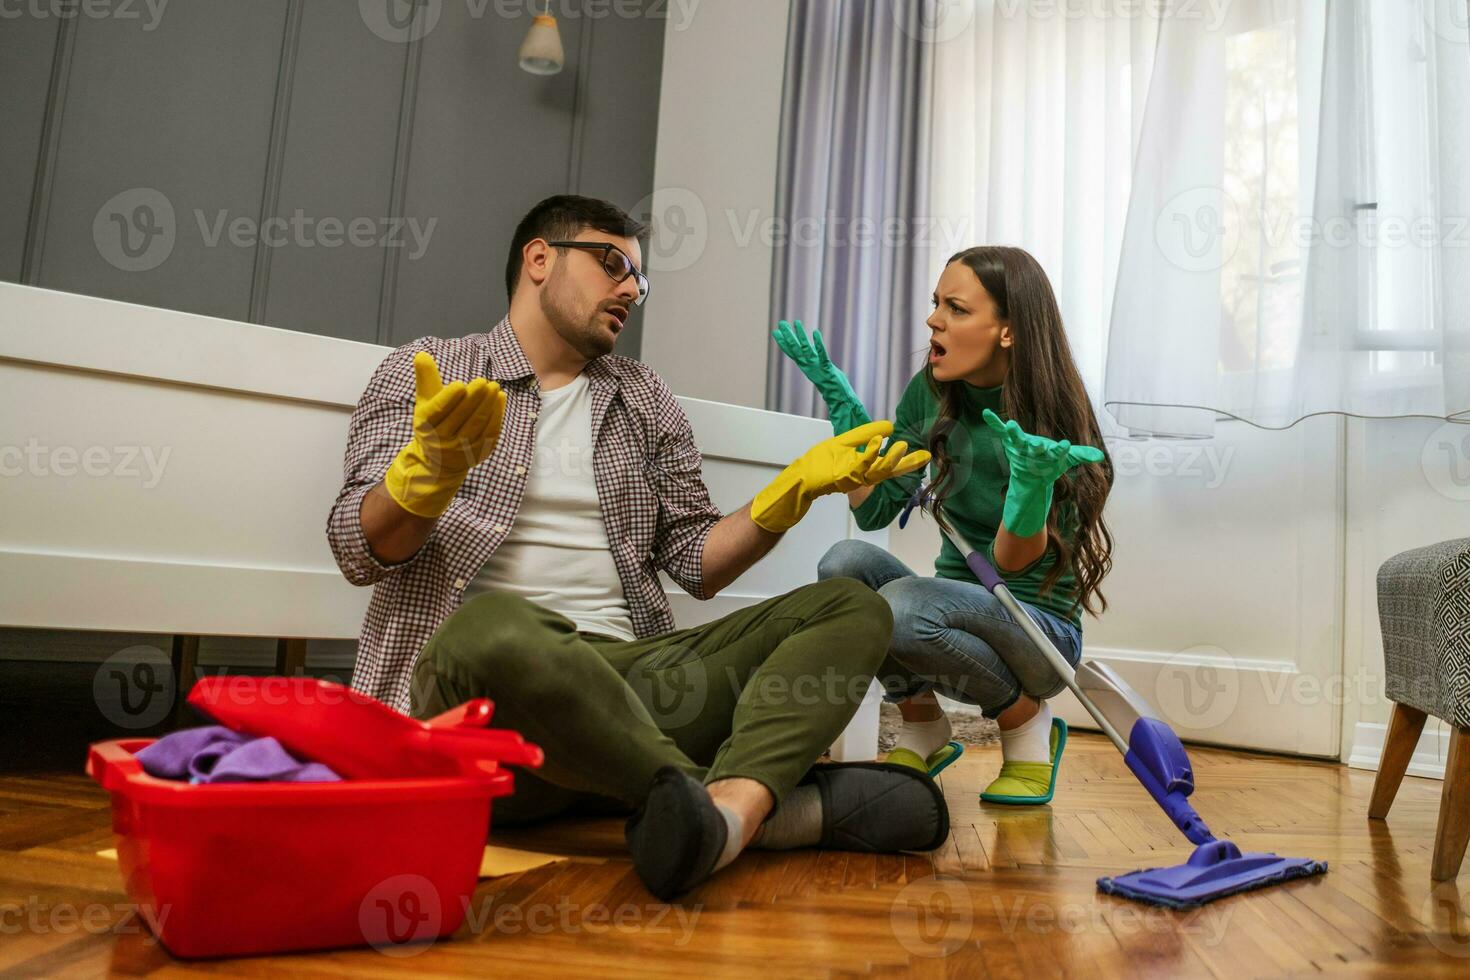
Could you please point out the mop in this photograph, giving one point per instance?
(1156, 757)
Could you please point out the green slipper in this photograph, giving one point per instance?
(934, 765)
(1029, 783)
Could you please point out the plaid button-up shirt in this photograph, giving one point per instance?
(655, 505)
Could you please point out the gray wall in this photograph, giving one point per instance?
(231, 112)
(716, 182)
(248, 110)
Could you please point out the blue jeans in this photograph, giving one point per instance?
(953, 637)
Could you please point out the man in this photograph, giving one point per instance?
(512, 522)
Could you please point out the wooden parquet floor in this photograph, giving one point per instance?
(1011, 894)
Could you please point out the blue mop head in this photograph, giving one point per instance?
(1213, 871)
(1216, 868)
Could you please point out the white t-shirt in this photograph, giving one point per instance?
(557, 553)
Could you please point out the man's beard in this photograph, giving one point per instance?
(585, 335)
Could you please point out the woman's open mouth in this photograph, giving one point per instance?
(936, 351)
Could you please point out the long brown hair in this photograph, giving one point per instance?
(1044, 393)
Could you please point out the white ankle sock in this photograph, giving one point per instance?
(925, 738)
(1031, 741)
(734, 836)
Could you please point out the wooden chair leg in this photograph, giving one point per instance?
(290, 657)
(1454, 809)
(185, 660)
(1398, 748)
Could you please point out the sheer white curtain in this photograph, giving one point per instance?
(1037, 106)
(1299, 237)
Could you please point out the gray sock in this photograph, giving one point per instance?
(734, 834)
(797, 822)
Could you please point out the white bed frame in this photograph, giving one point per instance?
(171, 473)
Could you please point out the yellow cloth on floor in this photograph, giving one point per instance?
(497, 861)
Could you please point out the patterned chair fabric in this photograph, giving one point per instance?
(1424, 612)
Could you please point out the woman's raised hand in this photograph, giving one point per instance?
(1036, 462)
(844, 407)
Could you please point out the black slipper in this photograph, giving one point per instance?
(677, 835)
(879, 807)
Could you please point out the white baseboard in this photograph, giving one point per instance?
(1429, 755)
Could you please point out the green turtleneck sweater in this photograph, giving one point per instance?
(979, 479)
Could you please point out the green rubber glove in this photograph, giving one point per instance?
(1036, 463)
(844, 407)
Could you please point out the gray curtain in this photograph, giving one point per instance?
(853, 241)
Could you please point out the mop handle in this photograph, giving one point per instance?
(992, 581)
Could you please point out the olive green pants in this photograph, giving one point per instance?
(759, 693)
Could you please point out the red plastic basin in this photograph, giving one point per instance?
(224, 870)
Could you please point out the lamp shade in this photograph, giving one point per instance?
(541, 52)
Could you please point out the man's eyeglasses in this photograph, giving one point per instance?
(615, 263)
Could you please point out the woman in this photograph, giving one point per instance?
(1015, 469)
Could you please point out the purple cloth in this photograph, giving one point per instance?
(215, 754)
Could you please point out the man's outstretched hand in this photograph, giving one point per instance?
(832, 466)
(455, 428)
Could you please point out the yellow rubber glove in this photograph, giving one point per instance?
(455, 428)
(833, 467)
